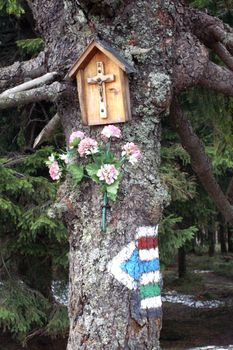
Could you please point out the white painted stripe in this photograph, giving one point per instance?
(150, 277)
(114, 266)
(146, 231)
(150, 303)
(123, 277)
(148, 254)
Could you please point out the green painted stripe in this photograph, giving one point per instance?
(150, 290)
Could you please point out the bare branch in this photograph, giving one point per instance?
(19, 71)
(217, 78)
(46, 92)
(199, 160)
(222, 36)
(44, 79)
(210, 29)
(47, 131)
(11, 162)
(224, 54)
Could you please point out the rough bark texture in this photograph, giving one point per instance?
(46, 92)
(19, 71)
(164, 40)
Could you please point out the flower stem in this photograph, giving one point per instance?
(104, 211)
(108, 147)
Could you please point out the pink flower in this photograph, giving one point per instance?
(108, 173)
(111, 131)
(131, 151)
(87, 146)
(75, 135)
(54, 171)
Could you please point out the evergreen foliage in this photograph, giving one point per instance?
(29, 233)
(12, 7)
(171, 237)
(24, 311)
(30, 46)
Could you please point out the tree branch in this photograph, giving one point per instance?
(47, 131)
(217, 78)
(222, 36)
(199, 160)
(11, 162)
(46, 92)
(17, 72)
(223, 53)
(44, 79)
(210, 29)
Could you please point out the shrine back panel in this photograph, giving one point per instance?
(103, 90)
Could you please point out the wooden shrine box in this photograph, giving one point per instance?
(103, 86)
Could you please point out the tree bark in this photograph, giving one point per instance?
(211, 241)
(230, 239)
(222, 235)
(46, 92)
(20, 71)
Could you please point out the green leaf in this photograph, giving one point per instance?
(76, 171)
(92, 171)
(75, 142)
(112, 190)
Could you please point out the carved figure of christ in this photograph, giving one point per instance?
(101, 79)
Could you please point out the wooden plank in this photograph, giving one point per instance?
(125, 94)
(110, 55)
(82, 96)
(83, 60)
(105, 48)
(115, 55)
(127, 98)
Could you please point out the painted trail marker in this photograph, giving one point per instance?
(136, 266)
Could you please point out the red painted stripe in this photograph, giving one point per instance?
(147, 242)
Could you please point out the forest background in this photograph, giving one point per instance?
(33, 241)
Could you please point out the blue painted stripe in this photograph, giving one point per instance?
(135, 267)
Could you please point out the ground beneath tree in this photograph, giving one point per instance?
(186, 327)
(39, 343)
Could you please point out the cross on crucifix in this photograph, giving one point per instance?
(101, 79)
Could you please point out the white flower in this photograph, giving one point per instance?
(50, 160)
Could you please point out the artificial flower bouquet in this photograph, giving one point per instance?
(87, 158)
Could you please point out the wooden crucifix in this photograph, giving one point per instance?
(101, 79)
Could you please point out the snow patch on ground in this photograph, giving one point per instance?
(202, 271)
(60, 292)
(189, 300)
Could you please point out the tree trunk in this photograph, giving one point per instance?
(181, 262)
(162, 39)
(222, 235)
(230, 240)
(104, 315)
(211, 241)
